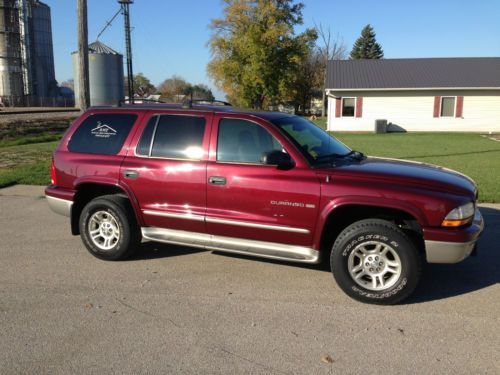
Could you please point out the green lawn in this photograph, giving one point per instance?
(472, 154)
(26, 164)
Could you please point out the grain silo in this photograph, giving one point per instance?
(43, 77)
(11, 73)
(105, 75)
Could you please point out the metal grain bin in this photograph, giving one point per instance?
(11, 75)
(380, 126)
(105, 75)
(42, 53)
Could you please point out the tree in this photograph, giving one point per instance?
(329, 49)
(200, 92)
(307, 80)
(142, 86)
(173, 88)
(366, 47)
(177, 88)
(255, 51)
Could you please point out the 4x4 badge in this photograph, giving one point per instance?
(103, 130)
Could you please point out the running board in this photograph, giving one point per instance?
(270, 250)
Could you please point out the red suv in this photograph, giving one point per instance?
(259, 183)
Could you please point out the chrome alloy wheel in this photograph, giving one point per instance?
(103, 230)
(374, 265)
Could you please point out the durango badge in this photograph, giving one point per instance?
(103, 130)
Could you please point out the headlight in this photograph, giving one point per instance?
(459, 216)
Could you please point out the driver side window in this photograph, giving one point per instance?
(243, 141)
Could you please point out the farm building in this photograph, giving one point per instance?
(427, 94)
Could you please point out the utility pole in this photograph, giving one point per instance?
(130, 74)
(83, 56)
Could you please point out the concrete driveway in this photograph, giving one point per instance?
(179, 310)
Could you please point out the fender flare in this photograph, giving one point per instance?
(106, 181)
(381, 202)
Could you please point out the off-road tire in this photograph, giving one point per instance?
(361, 248)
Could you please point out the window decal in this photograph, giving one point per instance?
(103, 130)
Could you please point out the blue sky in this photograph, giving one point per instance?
(170, 37)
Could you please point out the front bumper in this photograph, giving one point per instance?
(454, 252)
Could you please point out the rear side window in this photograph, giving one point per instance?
(102, 134)
(174, 137)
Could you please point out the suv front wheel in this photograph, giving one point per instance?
(108, 228)
(373, 261)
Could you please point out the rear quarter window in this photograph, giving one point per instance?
(102, 134)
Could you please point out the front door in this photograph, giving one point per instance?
(168, 171)
(249, 200)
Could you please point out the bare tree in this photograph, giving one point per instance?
(330, 48)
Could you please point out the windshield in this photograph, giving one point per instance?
(315, 143)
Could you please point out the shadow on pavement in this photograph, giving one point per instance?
(438, 280)
(155, 250)
(447, 280)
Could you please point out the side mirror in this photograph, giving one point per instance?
(279, 158)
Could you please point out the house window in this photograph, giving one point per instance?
(348, 107)
(447, 106)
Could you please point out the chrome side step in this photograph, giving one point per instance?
(270, 250)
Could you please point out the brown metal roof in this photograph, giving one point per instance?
(466, 72)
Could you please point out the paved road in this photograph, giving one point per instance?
(177, 310)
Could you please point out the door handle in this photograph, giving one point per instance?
(131, 174)
(217, 180)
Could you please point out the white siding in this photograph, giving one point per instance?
(413, 111)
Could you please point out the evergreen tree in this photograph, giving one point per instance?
(366, 47)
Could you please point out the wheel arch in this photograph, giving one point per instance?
(86, 191)
(339, 216)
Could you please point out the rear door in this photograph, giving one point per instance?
(167, 171)
(249, 200)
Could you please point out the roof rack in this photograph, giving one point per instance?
(189, 103)
(136, 100)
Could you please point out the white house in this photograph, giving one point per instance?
(431, 94)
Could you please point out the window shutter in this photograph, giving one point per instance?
(460, 106)
(437, 100)
(359, 106)
(338, 106)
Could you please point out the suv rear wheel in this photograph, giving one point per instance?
(108, 228)
(374, 261)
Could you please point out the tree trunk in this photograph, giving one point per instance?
(323, 104)
(323, 94)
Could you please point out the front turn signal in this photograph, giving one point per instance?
(455, 223)
(459, 216)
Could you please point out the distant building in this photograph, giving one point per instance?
(26, 53)
(428, 94)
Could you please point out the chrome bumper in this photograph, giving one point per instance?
(59, 206)
(453, 252)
